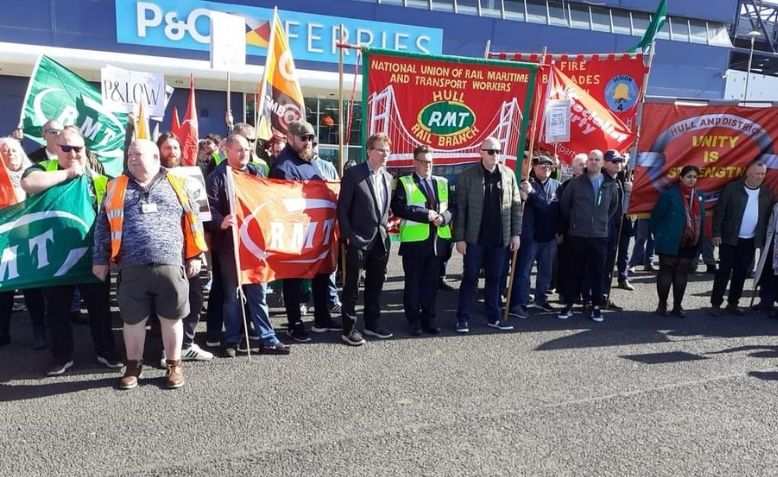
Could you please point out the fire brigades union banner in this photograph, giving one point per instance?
(450, 104)
(721, 140)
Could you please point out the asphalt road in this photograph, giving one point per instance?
(638, 395)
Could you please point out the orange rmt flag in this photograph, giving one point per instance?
(285, 229)
(7, 193)
(281, 99)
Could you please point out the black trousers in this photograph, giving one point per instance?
(733, 261)
(293, 296)
(588, 261)
(33, 299)
(421, 287)
(673, 271)
(195, 305)
(373, 261)
(58, 301)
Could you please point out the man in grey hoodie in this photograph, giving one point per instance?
(587, 205)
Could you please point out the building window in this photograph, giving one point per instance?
(640, 22)
(579, 16)
(537, 11)
(514, 9)
(443, 5)
(699, 31)
(664, 32)
(601, 19)
(679, 29)
(621, 22)
(425, 4)
(468, 7)
(491, 8)
(718, 35)
(557, 13)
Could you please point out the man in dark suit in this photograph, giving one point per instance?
(421, 200)
(51, 130)
(363, 213)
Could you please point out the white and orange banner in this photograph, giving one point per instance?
(286, 229)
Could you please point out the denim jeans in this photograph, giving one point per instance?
(493, 260)
(643, 249)
(531, 251)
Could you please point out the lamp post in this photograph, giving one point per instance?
(753, 35)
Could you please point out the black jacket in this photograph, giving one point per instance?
(216, 188)
(588, 215)
(358, 214)
(728, 214)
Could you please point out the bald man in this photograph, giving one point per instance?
(150, 232)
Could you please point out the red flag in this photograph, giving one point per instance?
(188, 133)
(285, 229)
(175, 123)
(592, 125)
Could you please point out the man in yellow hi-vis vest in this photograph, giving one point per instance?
(421, 201)
(72, 162)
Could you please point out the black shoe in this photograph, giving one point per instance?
(298, 333)
(110, 361)
(710, 269)
(649, 268)
(678, 312)
(325, 326)
(661, 309)
(414, 331)
(596, 315)
(716, 310)
(431, 330)
(58, 368)
(613, 306)
(242, 348)
(230, 351)
(626, 285)
(544, 306)
(275, 348)
(378, 332)
(353, 339)
(442, 285)
(734, 310)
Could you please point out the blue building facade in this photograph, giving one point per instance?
(692, 52)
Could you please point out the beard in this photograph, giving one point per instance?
(305, 153)
(170, 161)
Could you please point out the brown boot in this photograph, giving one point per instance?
(175, 374)
(132, 373)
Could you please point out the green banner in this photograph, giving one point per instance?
(47, 239)
(55, 92)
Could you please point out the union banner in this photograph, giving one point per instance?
(285, 229)
(450, 104)
(721, 140)
(47, 239)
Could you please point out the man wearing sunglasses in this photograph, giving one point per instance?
(72, 162)
(295, 163)
(51, 130)
(488, 223)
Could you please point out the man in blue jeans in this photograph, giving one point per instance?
(221, 224)
(541, 213)
(488, 224)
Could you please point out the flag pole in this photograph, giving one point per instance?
(229, 98)
(236, 258)
(341, 146)
(524, 175)
(263, 85)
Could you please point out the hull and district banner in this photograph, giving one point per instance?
(719, 139)
(450, 104)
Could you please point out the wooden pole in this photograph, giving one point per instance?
(236, 257)
(525, 175)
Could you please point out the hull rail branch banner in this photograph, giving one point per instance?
(47, 239)
(613, 80)
(285, 229)
(719, 139)
(450, 104)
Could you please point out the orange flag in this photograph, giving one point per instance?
(286, 229)
(175, 123)
(280, 94)
(7, 192)
(188, 132)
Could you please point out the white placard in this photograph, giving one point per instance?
(228, 41)
(195, 185)
(125, 91)
(557, 121)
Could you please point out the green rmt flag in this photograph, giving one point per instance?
(55, 92)
(47, 239)
(660, 15)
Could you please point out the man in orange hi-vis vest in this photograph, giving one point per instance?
(150, 230)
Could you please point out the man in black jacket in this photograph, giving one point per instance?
(363, 213)
(51, 130)
(587, 205)
(739, 224)
(421, 201)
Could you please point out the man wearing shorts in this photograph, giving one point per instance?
(149, 229)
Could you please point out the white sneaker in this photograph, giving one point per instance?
(195, 353)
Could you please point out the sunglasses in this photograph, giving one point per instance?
(308, 137)
(491, 152)
(52, 131)
(252, 140)
(66, 148)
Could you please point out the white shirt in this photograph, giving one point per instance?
(378, 186)
(750, 215)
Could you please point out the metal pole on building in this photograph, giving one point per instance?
(229, 102)
(753, 35)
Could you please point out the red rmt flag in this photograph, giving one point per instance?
(188, 131)
(285, 229)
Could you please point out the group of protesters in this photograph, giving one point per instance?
(575, 232)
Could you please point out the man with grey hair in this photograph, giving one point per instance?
(587, 205)
(487, 225)
(149, 229)
(247, 131)
(51, 130)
